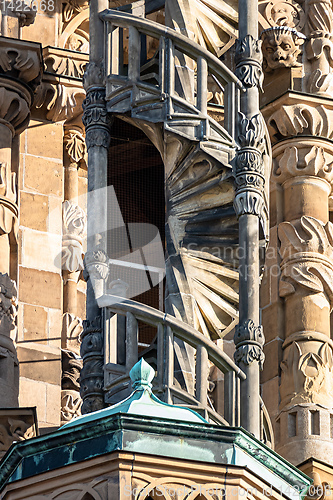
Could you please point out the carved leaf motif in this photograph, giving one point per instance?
(319, 240)
(320, 18)
(298, 118)
(75, 145)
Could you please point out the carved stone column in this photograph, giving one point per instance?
(74, 227)
(301, 129)
(250, 208)
(97, 123)
(20, 72)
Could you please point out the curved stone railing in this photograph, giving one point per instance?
(170, 43)
(121, 327)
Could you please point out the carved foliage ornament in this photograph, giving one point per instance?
(75, 145)
(248, 60)
(71, 331)
(8, 207)
(307, 376)
(14, 429)
(74, 225)
(8, 304)
(59, 101)
(294, 162)
(21, 63)
(306, 260)
(302, 118)
(14, 110)
(96, 119)
(249, 339)
(281, 47)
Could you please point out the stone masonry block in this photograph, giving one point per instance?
(42, 175)
(39, 365)
(40, 288)
(35, 323)
(45, 139)
(34, 211)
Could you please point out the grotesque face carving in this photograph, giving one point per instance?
(281, 46)
(284, 14)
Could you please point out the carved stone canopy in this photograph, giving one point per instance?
(281, 47)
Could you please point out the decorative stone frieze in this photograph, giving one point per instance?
(281, 48)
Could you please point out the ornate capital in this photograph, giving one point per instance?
(16, 425)
(96, 119)
(303, 161)
(21, 60)
(59, 102)
(14, 107)
(248, 60)
(302, 118)
(94, 75)
(249, 339)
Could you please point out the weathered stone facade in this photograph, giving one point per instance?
(56, 123)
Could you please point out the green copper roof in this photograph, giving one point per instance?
(142, 401)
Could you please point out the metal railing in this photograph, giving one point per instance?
(121, 328)
(170, 45)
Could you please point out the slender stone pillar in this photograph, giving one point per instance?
(97, 123)
(250, 208)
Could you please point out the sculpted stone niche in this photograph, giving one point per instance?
(281, 47)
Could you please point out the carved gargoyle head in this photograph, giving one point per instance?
(281, 47)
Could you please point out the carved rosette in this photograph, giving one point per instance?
(92, 374)
(96, 119)
(249, 340)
